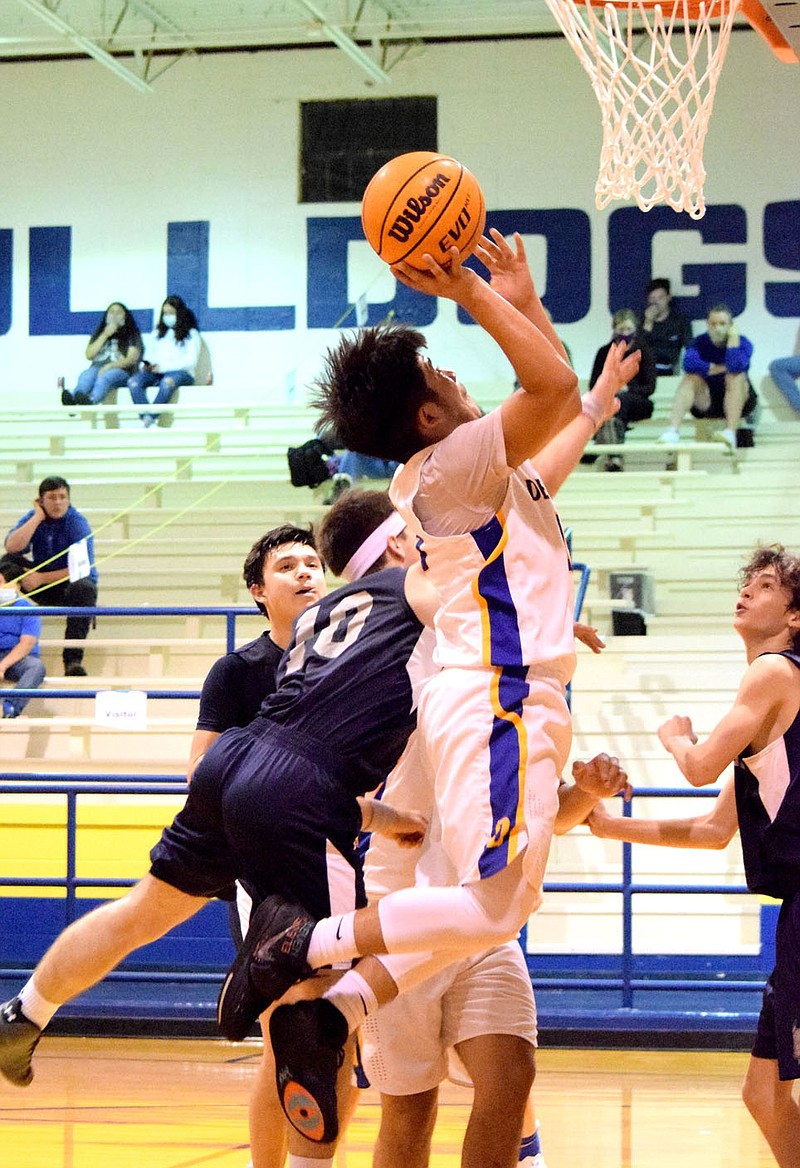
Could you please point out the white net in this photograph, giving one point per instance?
(654, 70)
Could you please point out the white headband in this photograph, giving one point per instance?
(373, 547)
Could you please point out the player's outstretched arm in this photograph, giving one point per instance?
(600, 778)
(550, 398)
(406, 828)
(562, 454)
(761, 694)
(510, 275)
(714, 830)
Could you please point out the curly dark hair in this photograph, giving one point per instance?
(127, 335)
(371, 389)
(353, 517)
(253, 570)
(787, 569)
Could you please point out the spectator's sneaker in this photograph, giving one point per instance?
(9, 709)
(272, 958)
(308, 1041)
(669, 437)
(726, 436)
(339, 484)
(81, 399)
(18, 1040)
(75, 670)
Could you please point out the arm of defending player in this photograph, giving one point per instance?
(714, 830)
(562, 454)
(406, 828)
(600, 778)
(758, 702)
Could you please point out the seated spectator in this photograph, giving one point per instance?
(635, 402)
(40, 543)
(666, 329)
(171, 356)
(715, 382)
(785, 371)
(19, 640)
(114, 349)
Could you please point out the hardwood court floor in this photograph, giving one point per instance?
(132, 1103)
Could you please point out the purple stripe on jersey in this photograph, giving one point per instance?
(505, 759)
(505, 644)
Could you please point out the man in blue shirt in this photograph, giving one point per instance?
(715, 382)
(39, 542)
(19, 640)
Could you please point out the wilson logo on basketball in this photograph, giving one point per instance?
(415, 208)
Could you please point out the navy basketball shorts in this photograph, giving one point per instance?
(261, 810)
(778, 1034)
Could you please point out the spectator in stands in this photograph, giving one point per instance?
(19, 640)
(634, 398)
(114, 349)
(171, 356)
(667, 330)
(715, 382)
(40, 543)
(785, 371)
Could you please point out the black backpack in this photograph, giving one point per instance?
(307, 463)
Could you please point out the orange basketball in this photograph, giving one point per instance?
(422, 202)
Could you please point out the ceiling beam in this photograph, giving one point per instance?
(90, 47)
(346, 43)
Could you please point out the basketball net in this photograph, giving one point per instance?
(654, 70)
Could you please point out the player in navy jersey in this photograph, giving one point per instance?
(760, 735)
(259, 790)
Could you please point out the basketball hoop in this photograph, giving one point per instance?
(654, 69)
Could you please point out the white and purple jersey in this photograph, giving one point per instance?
(492, 542)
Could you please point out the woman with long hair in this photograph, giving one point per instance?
(114, 349)
(171, 356)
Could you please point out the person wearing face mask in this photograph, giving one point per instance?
(635, 398)
(715, 383)
(19, 640)
(114, 349)
(171, 356)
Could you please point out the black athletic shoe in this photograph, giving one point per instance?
(308, 1041)
(272, 958)
(81, 399)
(18, 1040)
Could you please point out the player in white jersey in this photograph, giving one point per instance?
(475, 1021)
(494, 722)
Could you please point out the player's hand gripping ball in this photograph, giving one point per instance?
(422, 202)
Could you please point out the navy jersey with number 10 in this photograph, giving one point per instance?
(350, 675)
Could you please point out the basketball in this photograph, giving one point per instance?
(422, 202)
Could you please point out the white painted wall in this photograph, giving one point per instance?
(218, 141)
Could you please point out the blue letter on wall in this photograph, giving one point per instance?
(50, 282)
(328, 306)
(567, 283)
(6, 253)
(782, 250)
(630, 258)
(187, 276)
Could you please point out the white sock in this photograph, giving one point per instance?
(353, 997)
(333, 941)
(36, 1008)
(307, 1162)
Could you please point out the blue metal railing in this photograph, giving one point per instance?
(170, 785)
